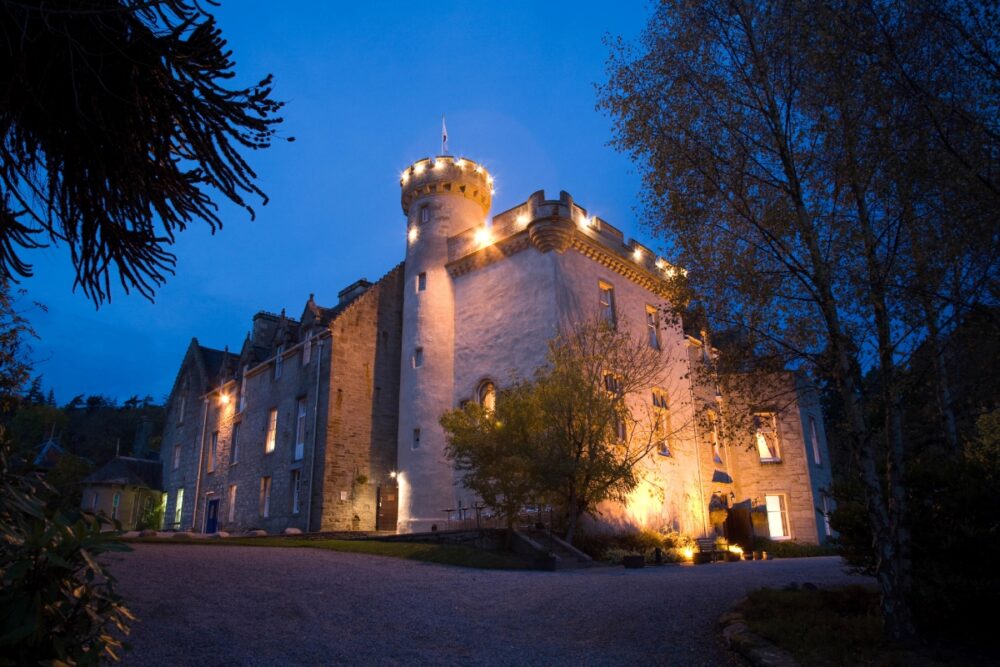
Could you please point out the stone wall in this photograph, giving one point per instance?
(361, 410)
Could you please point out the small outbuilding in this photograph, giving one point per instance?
(126, 489)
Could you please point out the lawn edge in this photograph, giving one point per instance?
(752, 647)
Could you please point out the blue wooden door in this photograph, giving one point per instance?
(212, 516)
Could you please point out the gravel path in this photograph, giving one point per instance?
(229, 605)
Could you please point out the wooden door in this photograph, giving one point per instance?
(212, 516)
(388, 503)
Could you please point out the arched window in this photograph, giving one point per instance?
(487, 395)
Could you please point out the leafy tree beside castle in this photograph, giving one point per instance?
(570, 436)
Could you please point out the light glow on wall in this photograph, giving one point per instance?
(637, 254)
(223, 399)
(483, 236)
(412, 234)
(522, 219)
(418, 168)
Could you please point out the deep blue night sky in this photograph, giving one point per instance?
(365, 85)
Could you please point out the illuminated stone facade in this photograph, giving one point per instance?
(474, 302)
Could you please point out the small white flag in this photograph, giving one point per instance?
(444, 137)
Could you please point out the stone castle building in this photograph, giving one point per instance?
(330, 421)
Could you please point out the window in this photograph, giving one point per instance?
(213, 449)
(116, 501)
(418, 357)
(135, 509)
(777, 516)
(265, 496)
(300, 431)
(178, 507)
(307, 347)
(827, 529)
(272, 430)
(653, 327)
(661, 422)
(93, 501)
(425, 214)
(620, 432)
(243, 391)
(232, 503)
(296, 490)
(766, 437)
(612, 384)
(607, 302)
(487, 395)
(177, 456)
(278, 361)
(814, 437)
(421, 282)
(713, 435)
(182, 406)
(234, 446)
(416, 439)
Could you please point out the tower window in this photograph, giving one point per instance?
(607, 302)
(653, 327)
(418, 357)
(425, 214)
(415, 444)
(487, 395)
(421, 282)
(766, 437)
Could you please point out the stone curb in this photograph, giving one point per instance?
(754, 648)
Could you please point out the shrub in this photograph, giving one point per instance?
(59, 602)
(792, 549)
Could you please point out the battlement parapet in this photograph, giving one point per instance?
(446, 174)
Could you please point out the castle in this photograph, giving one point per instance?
(330, 421)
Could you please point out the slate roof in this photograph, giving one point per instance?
(128, 471)
(48, 454)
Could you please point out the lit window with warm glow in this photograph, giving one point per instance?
(487, 395)
(766, 437)
(777, 516)
(272, 430)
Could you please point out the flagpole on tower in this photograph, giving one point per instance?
(444, 137)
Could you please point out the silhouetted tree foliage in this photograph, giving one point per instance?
(118, 125)
(828, 173)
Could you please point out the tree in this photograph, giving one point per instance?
(573, 435)
(118, 127)
(493, 448)
(59, 602)
(827, 174)
(15, 366)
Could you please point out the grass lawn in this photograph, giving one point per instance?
(443, 554)
(834, 626)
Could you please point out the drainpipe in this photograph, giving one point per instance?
(312, 450)
(201, 454)
(697, 456)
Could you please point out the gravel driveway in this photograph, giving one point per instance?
(232, 605)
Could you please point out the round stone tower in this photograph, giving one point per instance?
(441, 197)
